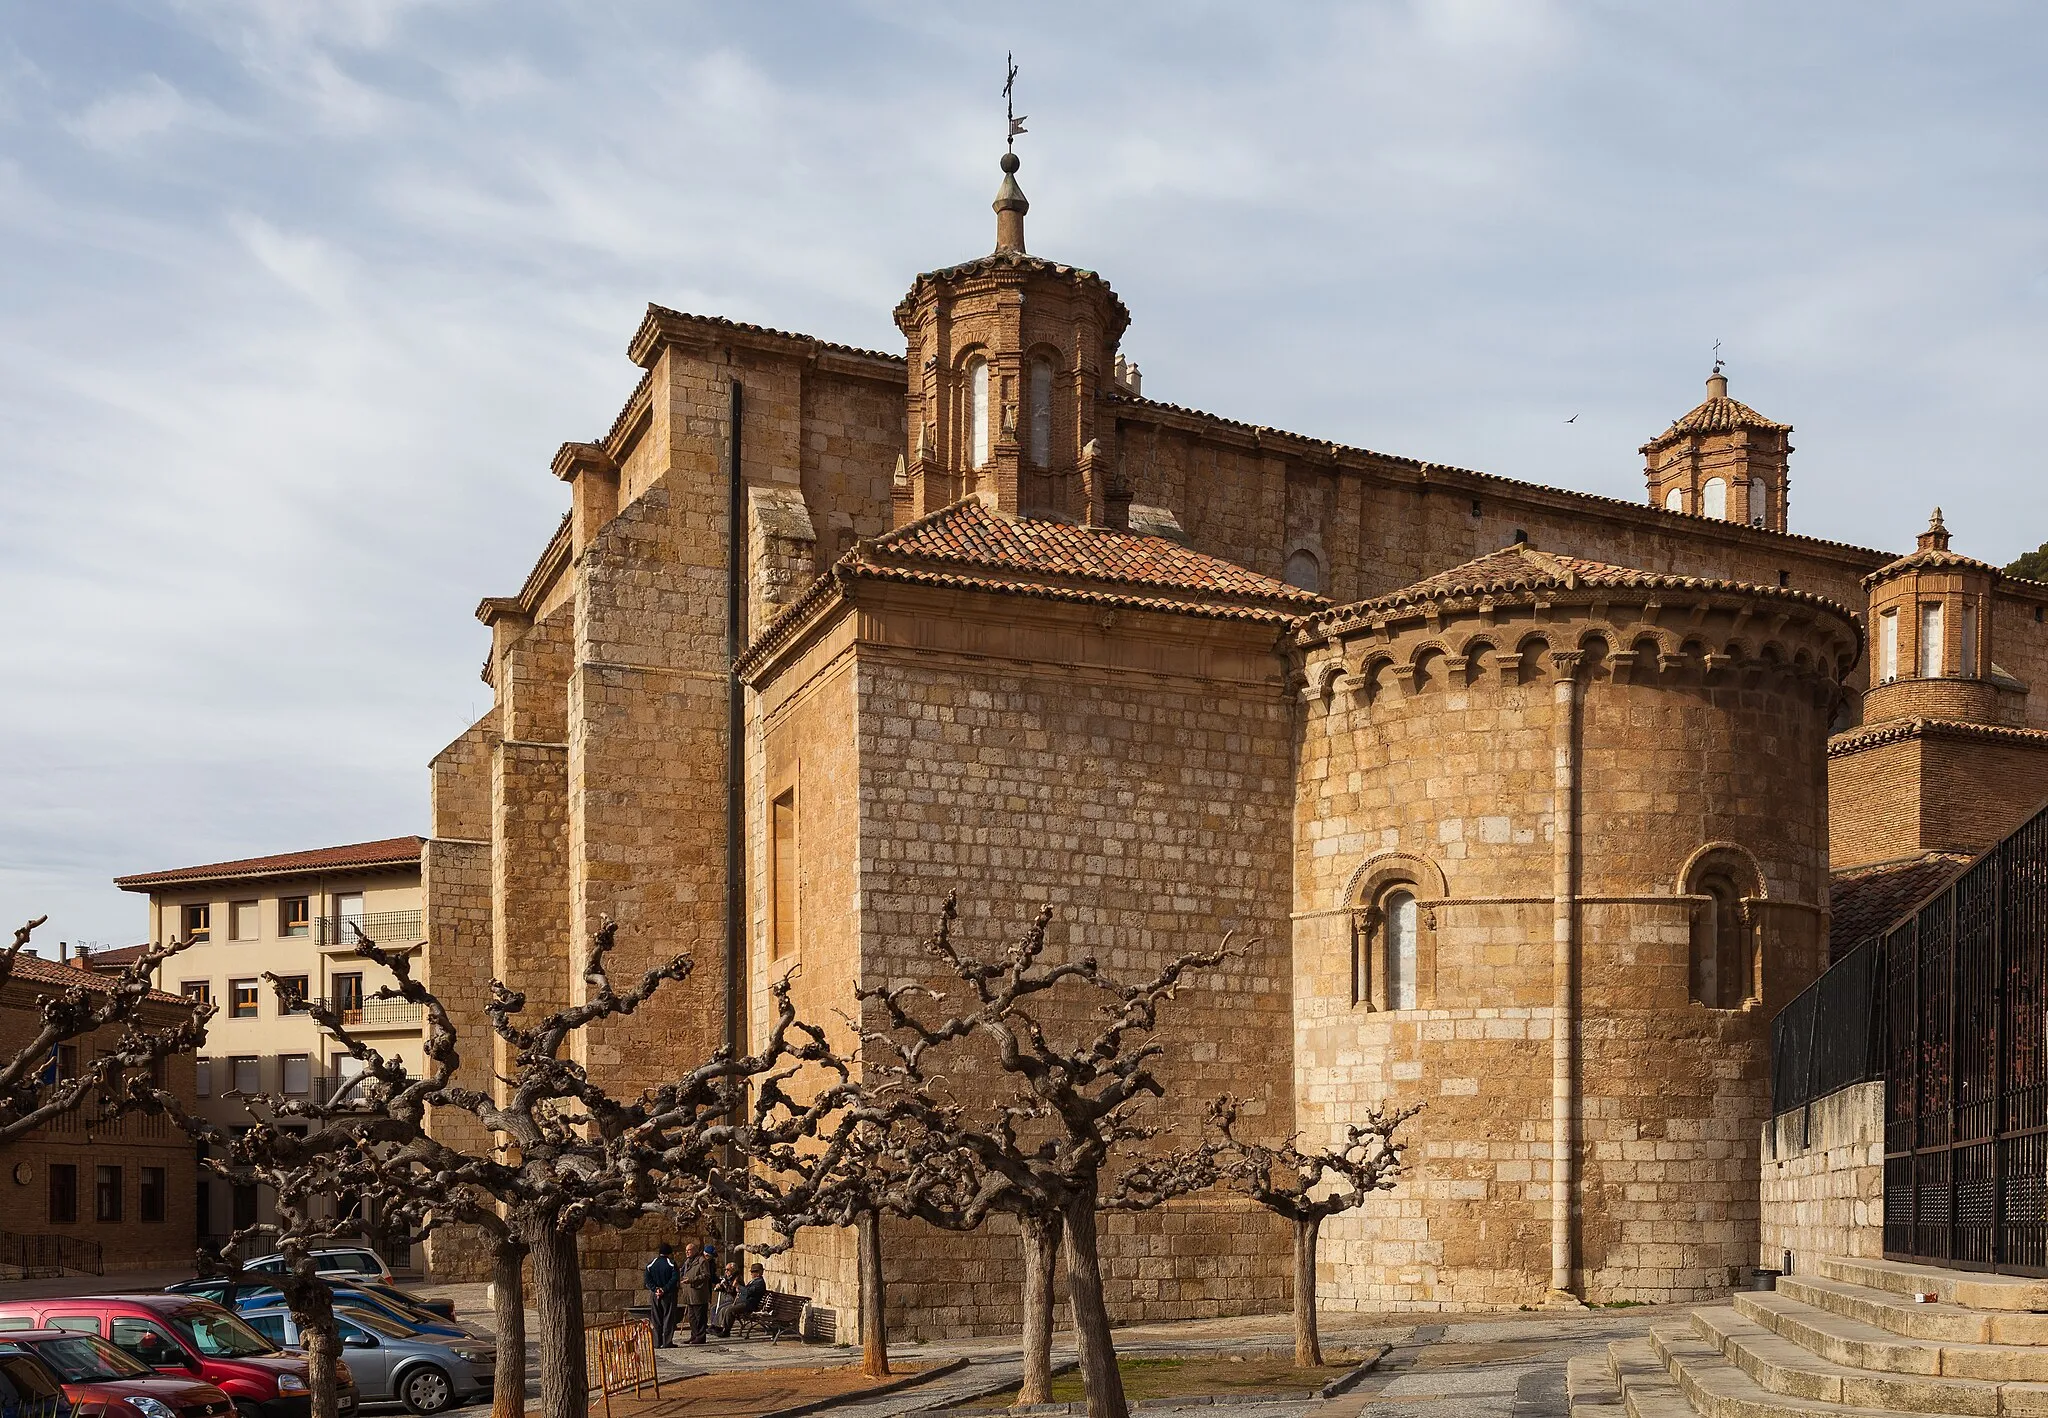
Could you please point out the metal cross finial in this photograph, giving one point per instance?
(1718, 361)
(1010, 102)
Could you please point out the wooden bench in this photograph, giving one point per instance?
(779, 1314)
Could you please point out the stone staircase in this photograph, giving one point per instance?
(1849, 1341)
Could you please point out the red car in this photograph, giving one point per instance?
(102, 1382)
(189, 1338)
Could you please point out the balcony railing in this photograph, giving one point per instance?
(384, 927)
(383, 1014)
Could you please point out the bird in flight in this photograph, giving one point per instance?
(1573, 419)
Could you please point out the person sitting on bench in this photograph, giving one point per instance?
(745, 1301)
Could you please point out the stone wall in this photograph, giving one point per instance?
(1823, 1180)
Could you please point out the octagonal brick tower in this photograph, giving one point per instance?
(1006, 356)
(1561, 851)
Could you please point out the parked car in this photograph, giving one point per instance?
(28, 1389)
(386, 1300)
(341, 1263)
(425, 1372)
(104, 1382)
(183, 1334)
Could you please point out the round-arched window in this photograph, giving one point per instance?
(1398, 907)
(1041, 413)
(1305, 571)
(977, 412)
(1714, 499)
(1674, 500)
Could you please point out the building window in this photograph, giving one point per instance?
(151, 1199)
(1041, 413)
(241, 999)
(1759, 503)
(977, 412)
(202, 1077)
(243, 1204)
(1714, 499)
(783, 877)
(296, 1074)
(296, 991)
(348, 997)
(245, 920)
(247, 1074)
(63, 1194)
(1722, 960)
(1969, 646)
(1305, 571)
(1674, 500)
(1400, 914)
(199, 923)
(200, 990)
(106, 1194)
(1888, 646)
(1930, 640)
(347, 1068)
(294, 916)
(63, 1065)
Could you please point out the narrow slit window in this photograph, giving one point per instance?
(1401, 914)
(782, 929)
(1969, 646)
(1888, 646)
(1041, 414)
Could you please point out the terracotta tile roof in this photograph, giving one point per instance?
(1716, 415)
(1023, 261)
(1865, 900)
(33, 971)
(965, 545)
(1894, 730)
(1522, 568)
(967, 534)
(115, 957)
(1932, 559)
(358, 856)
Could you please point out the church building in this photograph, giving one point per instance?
(1528, 804)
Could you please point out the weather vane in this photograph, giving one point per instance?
(1718, 361)
(1010, 101)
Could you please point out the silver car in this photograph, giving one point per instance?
(426, 1372)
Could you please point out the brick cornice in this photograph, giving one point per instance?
(1900, 730)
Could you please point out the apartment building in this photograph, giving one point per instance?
(293, 915)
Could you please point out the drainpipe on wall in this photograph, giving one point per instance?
(735, 752)
(1564, 1025)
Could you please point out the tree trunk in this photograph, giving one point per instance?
(312, 1306)
(1308, 1346)
(874, 1299)
(1041, 1251)
(558, 1300)
(508, 1318)
(1091, 1316)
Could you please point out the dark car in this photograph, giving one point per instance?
(28, 1389)
(386, 1300)
(103, 1382)
(185, 1335)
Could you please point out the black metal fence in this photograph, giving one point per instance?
(1966, 1094)
(1832, 1034)
(37, 1257)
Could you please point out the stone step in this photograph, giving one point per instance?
(1590, 1388)
(1781, 1365)
(1979, 1290)
(1901, 1314)
(1715, 1387)
(1647, 1388)
(1843, 1340)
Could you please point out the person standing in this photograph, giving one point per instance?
(662, 1278)
(696, 1288)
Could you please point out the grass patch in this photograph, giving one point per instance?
(1182, 1376)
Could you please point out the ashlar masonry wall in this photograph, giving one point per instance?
(1823, 1180)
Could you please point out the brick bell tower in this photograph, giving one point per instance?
(1007, 354)
(1723, 460)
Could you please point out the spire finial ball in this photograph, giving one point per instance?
(1010, 162)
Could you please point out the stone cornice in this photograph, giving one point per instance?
(661, 327)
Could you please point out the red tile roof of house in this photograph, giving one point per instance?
(113, 957)
(33, 970)
(359, 856)
(1864, 901)
(1716, 415)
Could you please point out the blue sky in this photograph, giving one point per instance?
(297, 299)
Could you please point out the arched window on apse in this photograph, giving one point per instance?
(1674, 500)
(977, 412)
(1714, 499)
(1041, 413)
(1398, 916)
(1305, 571)
(1723, 955)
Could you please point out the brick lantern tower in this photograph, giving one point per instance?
(1931, 635)
(1006, 356)
(1723, 460)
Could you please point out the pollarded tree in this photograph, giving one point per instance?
(1310, 1187)
(1076, 1105)
(35, 1091)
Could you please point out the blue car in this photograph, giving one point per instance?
(376, 1299)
